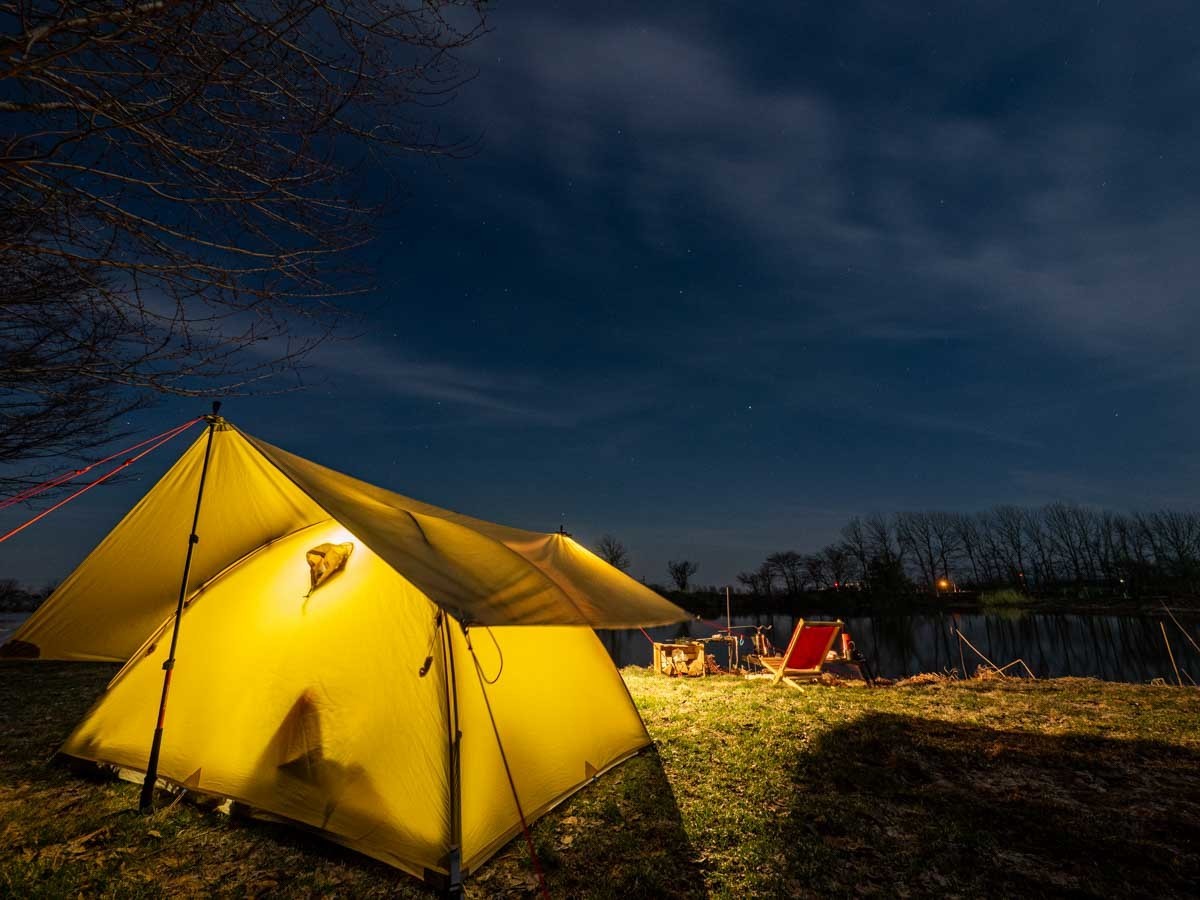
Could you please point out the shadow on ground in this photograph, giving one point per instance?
(899, 805)
(622, 837)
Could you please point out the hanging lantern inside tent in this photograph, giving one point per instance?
(324, 560)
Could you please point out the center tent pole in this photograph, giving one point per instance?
(146, 801)
(454, 887)
(734, 658)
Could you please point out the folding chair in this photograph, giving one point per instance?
(806, 652)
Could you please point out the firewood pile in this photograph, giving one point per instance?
(683, 660)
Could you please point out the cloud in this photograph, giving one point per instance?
(1028, 219)
(497, 397)
(650, 116)
(398, 373)
(1120, 290)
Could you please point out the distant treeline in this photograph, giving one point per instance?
(1046, 551)
(14, 598)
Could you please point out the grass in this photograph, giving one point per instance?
(974, 788)
(1004, 598)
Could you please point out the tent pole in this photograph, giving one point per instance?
(454, 888)
(146, 801)
(732, 646)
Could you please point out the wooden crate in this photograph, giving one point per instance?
(686, 659)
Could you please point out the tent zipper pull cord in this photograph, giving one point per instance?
(91, 484)
(30, 492)
(146, 799)
(483, 682)
(499, 653)
(433, 636)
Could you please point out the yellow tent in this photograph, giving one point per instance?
(413, 695)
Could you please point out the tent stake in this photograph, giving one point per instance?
(146, 801)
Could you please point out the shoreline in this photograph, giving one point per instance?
(820, 604)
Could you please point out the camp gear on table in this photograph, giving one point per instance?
(397, 701)
(762, 644)
(731, 642)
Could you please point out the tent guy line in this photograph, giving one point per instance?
(159, 440)
(30, 492)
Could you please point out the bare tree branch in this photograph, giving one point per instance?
(178, 182)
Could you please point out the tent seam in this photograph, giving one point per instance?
(204, 587)
(585, 622)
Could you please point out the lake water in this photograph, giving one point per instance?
(1115, 648)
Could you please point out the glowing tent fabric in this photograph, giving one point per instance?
(335, 706)
(130, 582)
(313, 708)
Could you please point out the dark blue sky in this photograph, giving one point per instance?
(717, 280)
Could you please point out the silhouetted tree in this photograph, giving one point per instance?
(681, 572)
(854, 540)
(14, 598)
(837, 563)
(946, 541)
(1009, 525)
(816, 570)
(760, 583)
(613, 552)
(932, 540)
(888, 578)
(1060, 547)
(52, 337)
(915, 539)
(1175, 538)
(882, 541)
(966, 527)
(1040, 547)
(788, 567)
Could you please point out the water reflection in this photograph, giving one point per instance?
(1115, 648)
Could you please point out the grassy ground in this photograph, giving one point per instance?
(979, 788)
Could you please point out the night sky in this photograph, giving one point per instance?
(716, 280)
